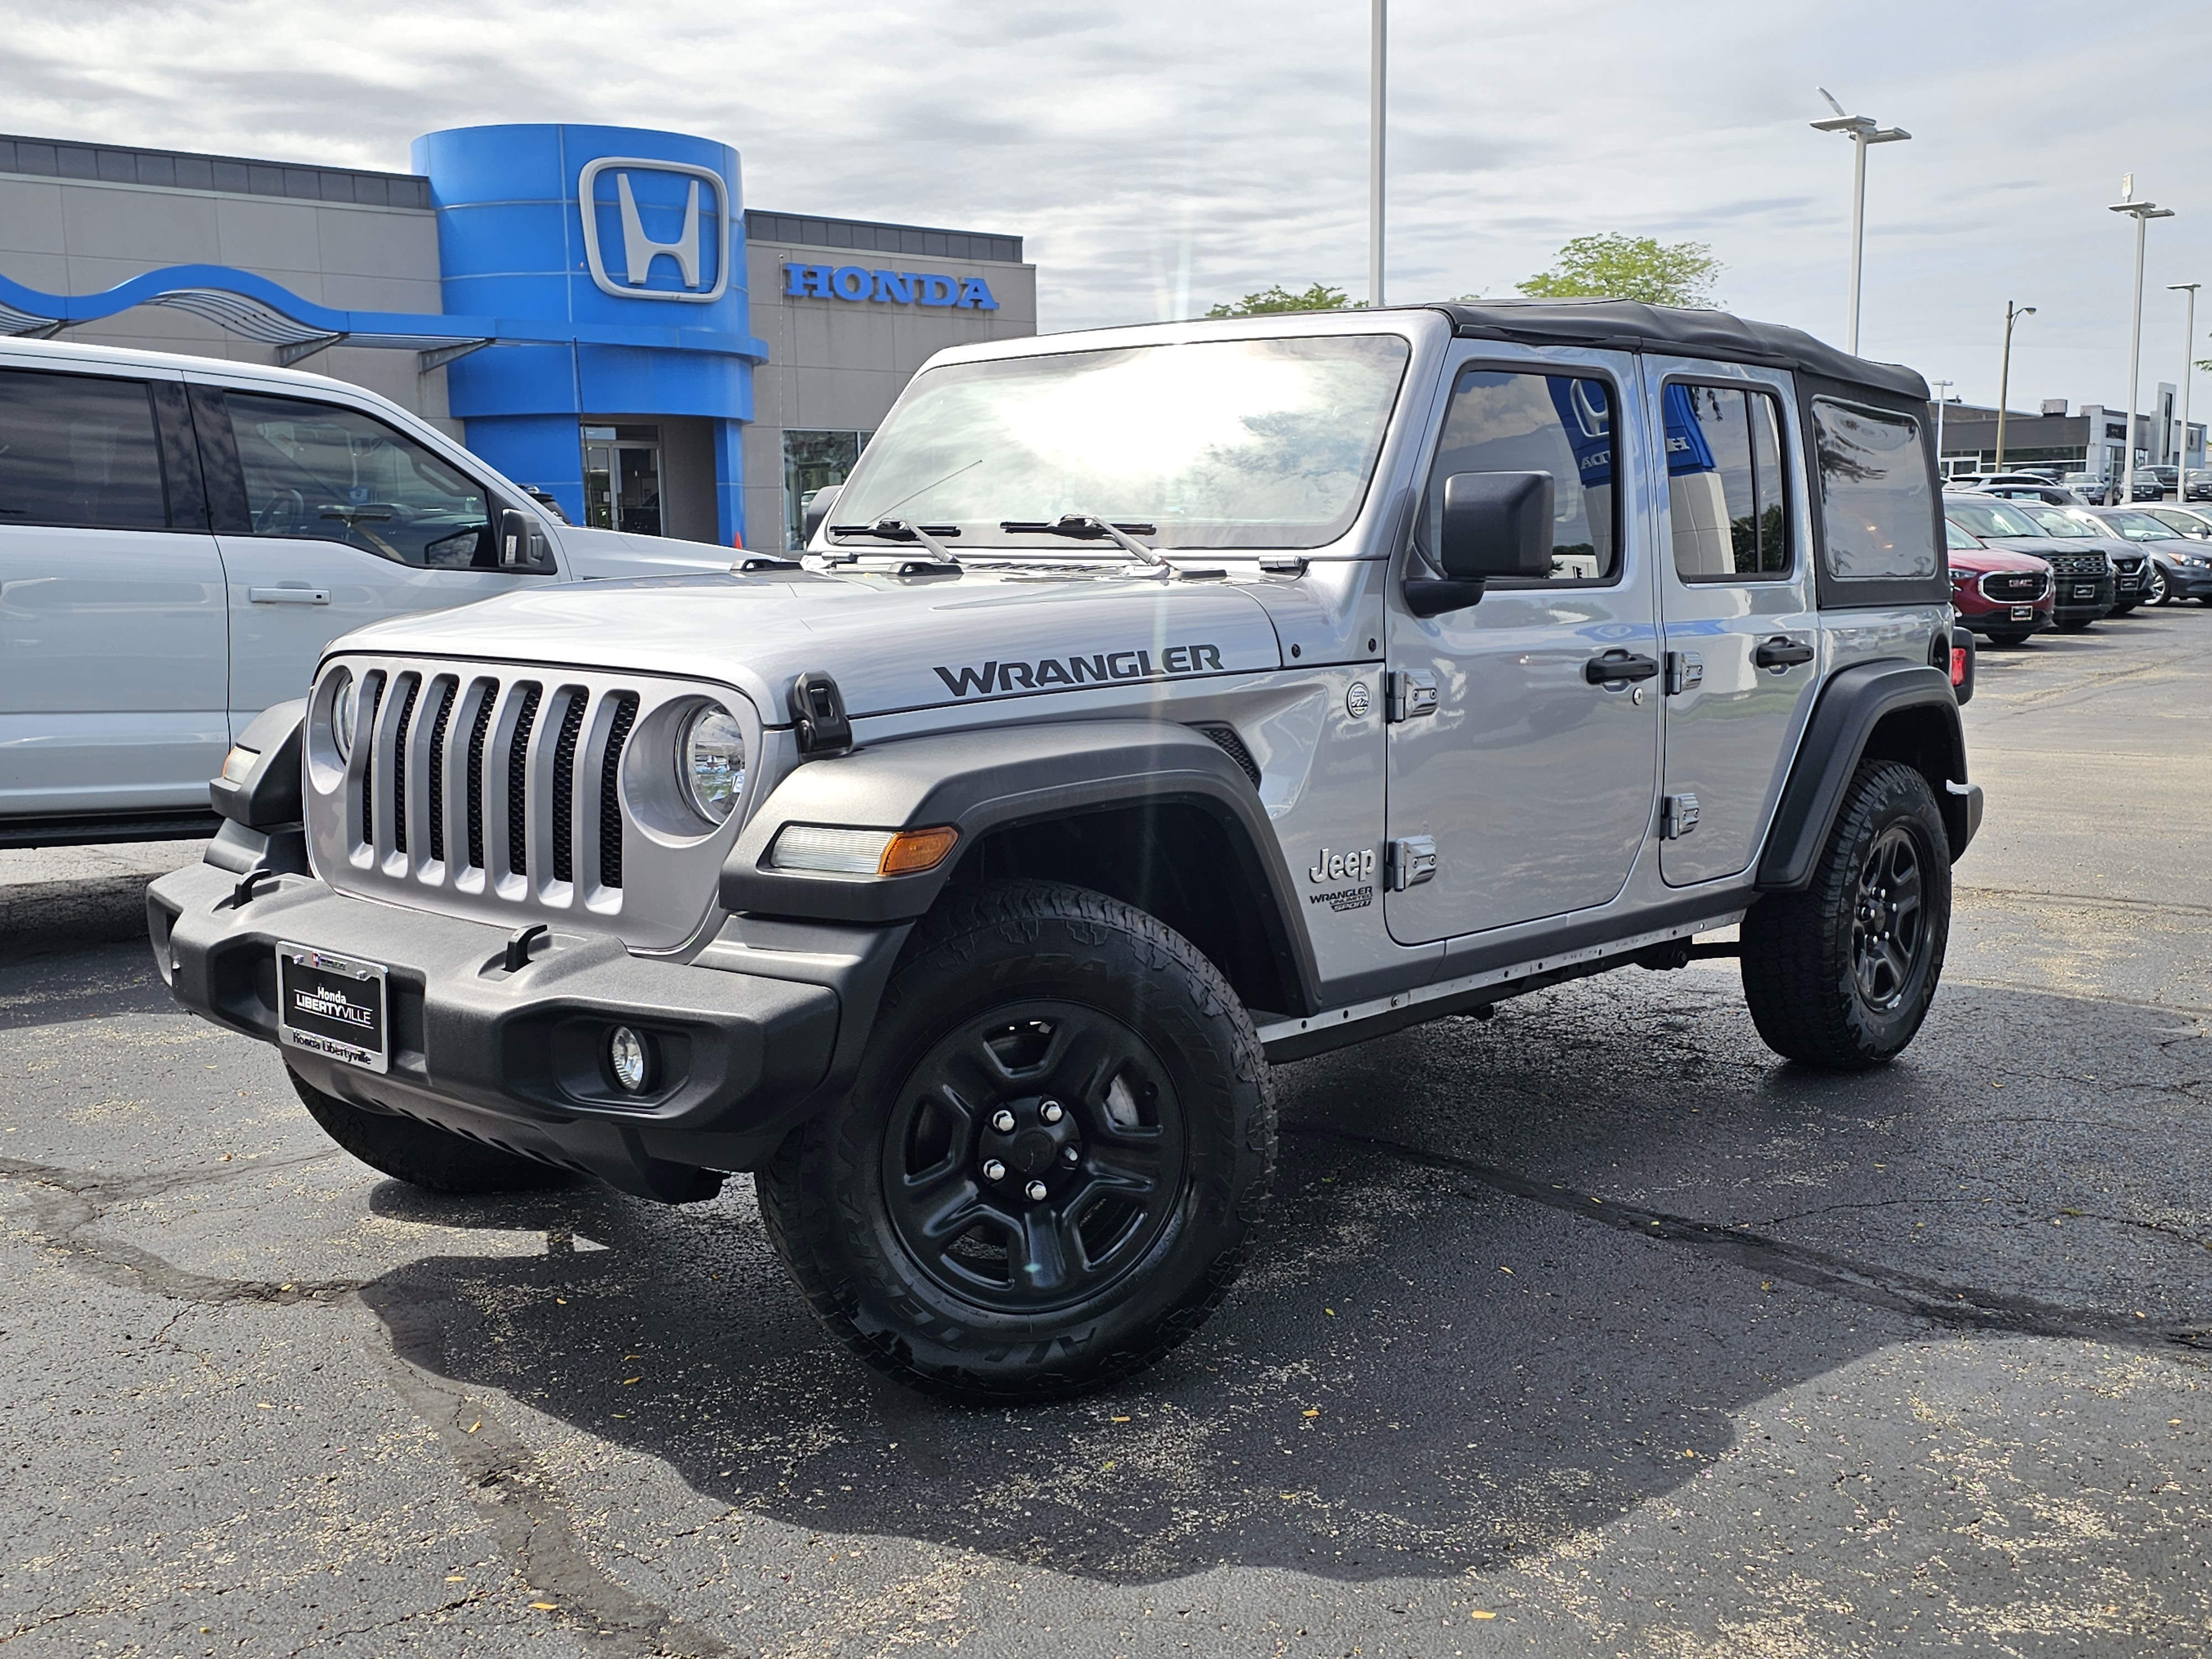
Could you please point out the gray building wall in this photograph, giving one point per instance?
(838, 366)
(84, 235)
(78, 219)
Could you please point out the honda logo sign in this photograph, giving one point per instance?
(700, 258)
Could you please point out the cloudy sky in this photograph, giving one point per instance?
(1160, 156)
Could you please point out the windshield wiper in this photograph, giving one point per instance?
(1087, 527)
(902, 530)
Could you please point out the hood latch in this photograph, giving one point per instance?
(817, 712)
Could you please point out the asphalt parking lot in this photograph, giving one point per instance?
(1589, 1328)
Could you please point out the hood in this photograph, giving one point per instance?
(612, 554)
(1991, 556)
(892, 643)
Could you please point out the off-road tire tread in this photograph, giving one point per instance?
(421, 1154)
(802, 1216)
(1796, 947)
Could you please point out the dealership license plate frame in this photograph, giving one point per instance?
(2023, 613)
(2085, 590)
(363, 1044)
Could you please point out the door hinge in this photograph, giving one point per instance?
(1406, 695)
(1686, 671)
(1678, 816)
(1413, 860)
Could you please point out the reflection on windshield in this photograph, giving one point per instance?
(1226, 443)
(1988, 518)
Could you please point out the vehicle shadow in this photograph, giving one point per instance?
(1435, 1358)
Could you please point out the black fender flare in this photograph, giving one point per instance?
(998, 778)
(1852, 707)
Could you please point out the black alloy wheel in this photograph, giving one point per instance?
(1841, 975)
(1054, 1159)
(1035, 1156)
(1889, 926)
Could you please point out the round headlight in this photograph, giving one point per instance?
(710, 762)
(345, 708)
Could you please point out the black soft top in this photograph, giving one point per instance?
(1630, 325)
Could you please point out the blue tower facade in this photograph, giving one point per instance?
(627, 247)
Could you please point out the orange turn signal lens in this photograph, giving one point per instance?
(911, 851)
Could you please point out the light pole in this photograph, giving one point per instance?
(1377, 54)
(1942, 390)
(2143, 213)
(1862, 131)
(2188, 352)
(2004, 375)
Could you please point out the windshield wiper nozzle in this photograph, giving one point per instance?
(902, 530)
(1088, 527)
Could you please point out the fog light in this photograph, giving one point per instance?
(629, 1061)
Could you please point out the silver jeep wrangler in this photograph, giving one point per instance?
(1151, 705)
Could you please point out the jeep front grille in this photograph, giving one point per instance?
(502, 793)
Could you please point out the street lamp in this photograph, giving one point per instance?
(2143, 213)
(2188, 352)
(1942, 391)
(1378, 41)
(2004, 375)
(1862, 131)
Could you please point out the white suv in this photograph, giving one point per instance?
(179, 538)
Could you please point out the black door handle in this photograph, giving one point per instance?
(1618, 666)
(1781, 651)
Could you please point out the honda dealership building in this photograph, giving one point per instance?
(591, 309)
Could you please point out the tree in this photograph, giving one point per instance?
(1320, 297)
(1617, 267)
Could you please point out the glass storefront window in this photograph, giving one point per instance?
(622, 478)
(812, 461)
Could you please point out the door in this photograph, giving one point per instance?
(112, 658)
(1736, 610)
(1524, 730)
(622, 478)
(330, 519)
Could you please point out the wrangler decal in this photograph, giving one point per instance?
(1046, 672)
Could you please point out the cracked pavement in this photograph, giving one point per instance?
(1589, 1328)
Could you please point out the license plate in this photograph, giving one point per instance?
(2089, 592)
(333, 1006)
(2023, 613)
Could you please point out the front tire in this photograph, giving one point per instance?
(1051, 1166)
(2008, 636)
(1840, 976)
(2155, 588)
(421, 1154)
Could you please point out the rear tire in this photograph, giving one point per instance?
(1840, 976)
(420, 1155)
(1051, 1164)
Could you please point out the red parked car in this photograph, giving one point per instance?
(2004, 596)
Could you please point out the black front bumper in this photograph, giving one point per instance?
(516, 1059)
(2073, 604)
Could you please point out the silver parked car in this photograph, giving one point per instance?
(180, 538)
(1151, 704)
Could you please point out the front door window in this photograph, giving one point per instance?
(622, 478)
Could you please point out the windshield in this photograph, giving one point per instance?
(1993, 518)
(1957, 540)
(2059, 522)
(1219, 443)
(2141, 527)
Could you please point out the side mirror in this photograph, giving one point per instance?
(1495, 524)
(813, 509)
(521, 542)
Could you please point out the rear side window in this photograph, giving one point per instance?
(321, 471)
(1876, 500)
(80, 450)
(1724, 482)
(1504, 422)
